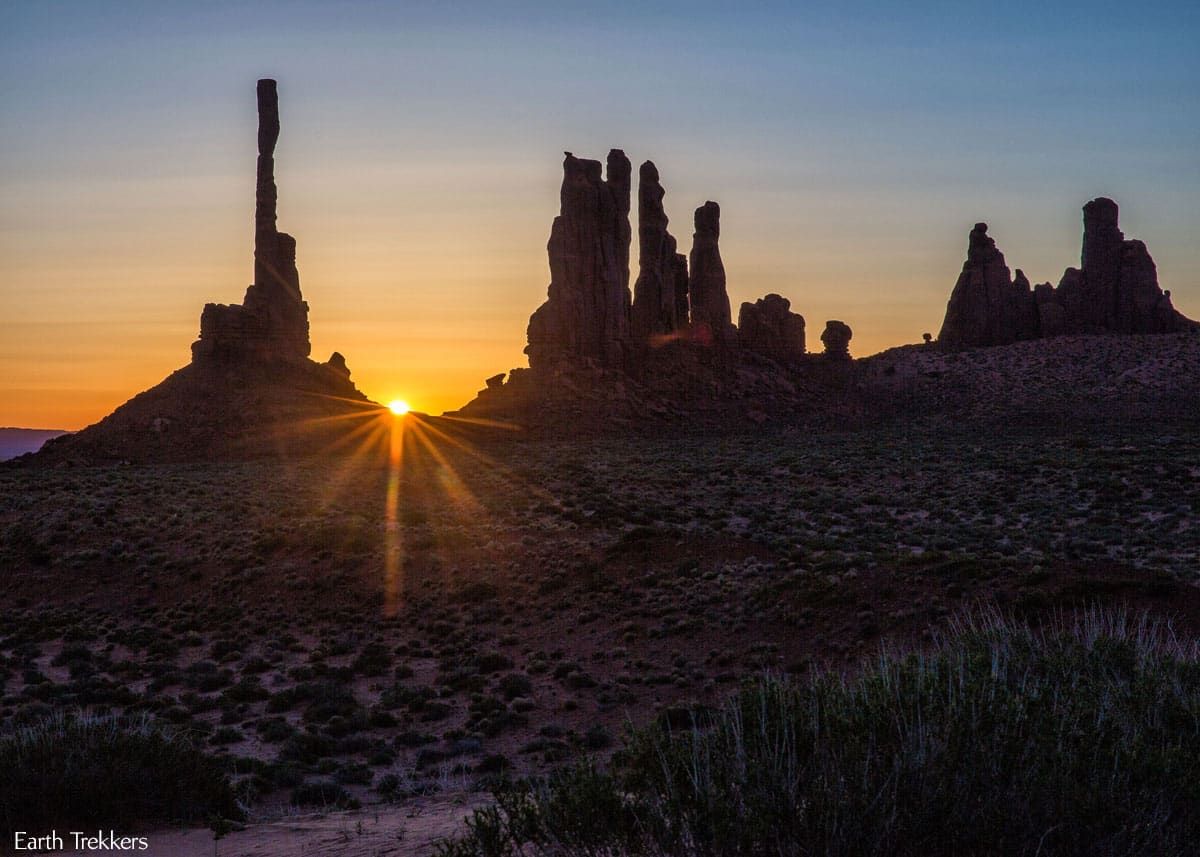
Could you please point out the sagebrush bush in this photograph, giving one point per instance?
(80, 770)
(1083, 739)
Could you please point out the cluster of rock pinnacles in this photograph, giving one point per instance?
(1115, 290)
(589, 317)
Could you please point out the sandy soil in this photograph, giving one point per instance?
(398, 831)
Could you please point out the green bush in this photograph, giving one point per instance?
(79, 770)
(1004, 740)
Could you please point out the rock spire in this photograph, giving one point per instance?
(711, 320)
(272, 321)
(586, 313)
(660, 295)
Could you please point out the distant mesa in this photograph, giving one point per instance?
(21, 441)
(1114, 291)
(251, 388)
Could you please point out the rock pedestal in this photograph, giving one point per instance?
(836, 339)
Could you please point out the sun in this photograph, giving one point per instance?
(399, 407)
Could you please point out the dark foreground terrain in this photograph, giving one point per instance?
(451, 606)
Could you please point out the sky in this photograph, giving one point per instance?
(851, 147)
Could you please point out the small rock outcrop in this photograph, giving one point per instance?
(586, 313)
(711, 318)
(1115, 290)
(769, 327)
(660, 295)
(271, 323)
(836, 339)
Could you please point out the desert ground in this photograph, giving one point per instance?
(398, 628)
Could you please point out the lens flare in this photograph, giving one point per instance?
(399, 407)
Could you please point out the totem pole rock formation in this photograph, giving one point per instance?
(1115, 290)
(250, 388)
(586, 313)
(769, 327)
(272, 321)
(836, 339)
(660, 295)
(711, 321)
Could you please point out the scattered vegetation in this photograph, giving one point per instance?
(547, 592)
(1079, 740)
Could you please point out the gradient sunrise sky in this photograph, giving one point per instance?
(851, 146)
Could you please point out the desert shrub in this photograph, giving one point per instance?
(324, 794)
(1076, 740)
(247, 689)
(492, 662)
(354, 774)
(477, 592)
(78, 770)
(306, 748)
(226, 735)
(274, 729)
(514, 685)
(373, 660)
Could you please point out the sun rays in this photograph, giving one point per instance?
(419, 477)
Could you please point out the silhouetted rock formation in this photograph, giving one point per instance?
(1114, 291)
(672, 353)
(272, 321)
(1116, 288)
(711, 319)
(586, 313)
(250, 388)
(987, 307)
(836, 339)
(769, 327)
(660, 295)
(337, 363)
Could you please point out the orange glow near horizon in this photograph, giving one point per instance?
(419, 168)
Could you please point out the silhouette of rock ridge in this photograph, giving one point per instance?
(1114, 291)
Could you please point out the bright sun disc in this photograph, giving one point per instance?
(399, 407)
